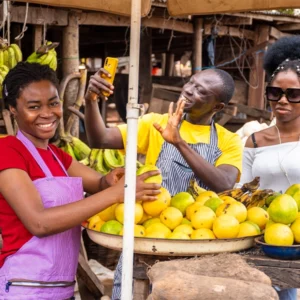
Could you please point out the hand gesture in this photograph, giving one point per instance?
(97, 84)
(144, 191)
(171, 133)
(114, 176)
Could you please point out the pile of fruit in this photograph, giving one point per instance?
(9, 57)
(196, 214)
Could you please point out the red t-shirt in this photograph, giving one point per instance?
(13, 154)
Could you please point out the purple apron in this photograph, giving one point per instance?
(49, 263)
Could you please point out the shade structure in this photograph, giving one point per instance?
(201, 7)
(118, 7)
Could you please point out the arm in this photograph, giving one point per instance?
(93, 182)
(98, 135)
(25, 200)
(218, 178)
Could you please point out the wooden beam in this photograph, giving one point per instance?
(266, 17)
(232, 31)
(38, 15)
(289, 27)
(232, 20)
(275, 33)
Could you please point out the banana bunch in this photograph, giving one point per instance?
(45, 55)
(104, 160)
(9, 57)
(76, 148)
(194, 189)
(250, 195)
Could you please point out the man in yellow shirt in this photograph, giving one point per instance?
(185, 144)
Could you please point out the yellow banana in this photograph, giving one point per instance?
(11, 58)
(46, 58)
(33, 58)
(110, 159)
(194, 189)
(93, 157)
(259, 197)
(234, 193)
(18, 52)
(120, 157)
(81, 150)
(4, 68)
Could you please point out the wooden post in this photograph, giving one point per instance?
(197, 45)
(145, 69)
(170, 64)
(70, 64)
(163, 64)
(38, 36)
(257, 74)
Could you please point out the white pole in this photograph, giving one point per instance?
(131, 150)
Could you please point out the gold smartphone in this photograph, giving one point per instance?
(110, 65)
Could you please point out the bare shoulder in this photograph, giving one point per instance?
(262, 138)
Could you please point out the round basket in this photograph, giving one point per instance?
(167, 247)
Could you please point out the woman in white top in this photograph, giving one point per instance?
(273, 154)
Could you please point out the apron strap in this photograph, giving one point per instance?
(58, 160)
(32, 149)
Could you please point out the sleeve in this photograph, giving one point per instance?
(10, 157)
(64, 157)
(232, 154)
(248, 159)
(144, 126)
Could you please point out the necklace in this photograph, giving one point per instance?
(280, 160)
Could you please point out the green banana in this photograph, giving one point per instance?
(46, 58)
(6, 58)
(1, 58)
(68, 149)
(32, 58)
(120, 157)
(18, 52)
(93, 157)
(53, 63)
(81, 150)
(110, 159)
(100, 165)
(12, 61)
(85, 161)
(4, 68)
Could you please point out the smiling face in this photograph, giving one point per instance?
(38, 112)
(202, 93)
(285, 111)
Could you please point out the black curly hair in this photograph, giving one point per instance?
(228, 85)
(22, 75)
(283, 55)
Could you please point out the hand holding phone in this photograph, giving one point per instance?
(110, 66)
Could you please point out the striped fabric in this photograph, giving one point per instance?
(173, 166)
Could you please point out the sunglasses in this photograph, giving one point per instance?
(276, 93)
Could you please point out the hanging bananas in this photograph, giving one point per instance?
(45, 55)
(9, 57)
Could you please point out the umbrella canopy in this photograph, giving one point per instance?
(118, 7)
(200, 7)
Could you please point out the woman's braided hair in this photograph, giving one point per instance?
(22, 75)
(283, 55)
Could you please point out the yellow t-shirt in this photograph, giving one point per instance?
(150, 140)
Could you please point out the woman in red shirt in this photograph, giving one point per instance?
(41, 192)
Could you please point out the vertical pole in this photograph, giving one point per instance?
(131, 150)
(38, 36)
(197, 45)
(70, 64)
(257, 74)
(163, 64)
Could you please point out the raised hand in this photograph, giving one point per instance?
(171, 132)
(97, 84)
